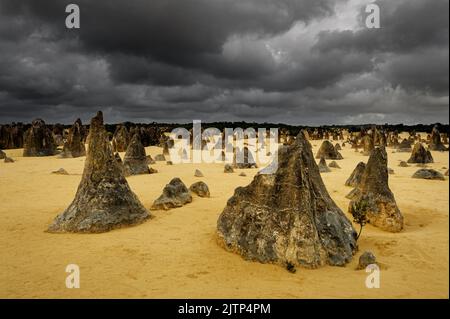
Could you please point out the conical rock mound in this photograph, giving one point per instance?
(356, 176)
(74, 146)
(374, 194)
(420, 155)
(328, 151)
(104, 200)
(288, 217)
(135, 160)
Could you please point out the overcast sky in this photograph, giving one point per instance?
(305, 62)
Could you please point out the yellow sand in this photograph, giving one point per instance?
(175, 254)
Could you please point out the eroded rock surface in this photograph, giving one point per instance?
(288, 217)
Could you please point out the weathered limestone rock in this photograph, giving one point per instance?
(175, 194)
(323, 168)
(368, 145)
(420, 155)
(8, 160)
(61, 171)
(374, 195)
(104, 200)
(337, 147)
(328, 151)
(120, 139)
(333, 164)
(135, 160)
(38, 140)
(198, 173)
(200, 188)
(428, 173)
(74, 146)
(436, 142)
(403, 164)
(404, 146)
(366, 259)
(228, 168)
(356, 176)
(118, 159)
(288, 217)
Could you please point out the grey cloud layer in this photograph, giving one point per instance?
(265, 60)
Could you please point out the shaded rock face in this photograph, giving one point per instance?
(435, 141)
(333, 164)
(74, 146)
(8, 160)
(288, 217)
(356, 176)
(175, 194)
(120, 139)
(200, 188)
(404, 146)
(135, 160)
(428, 173)
(368, 145)
(374, 195)
(38, 140)
(228, 168)
(323, 168)
(328, 151)
(118, 159)
(11, 136)
(104, 200)
(198, 173)
(366, 259)
(337, 147)
(403, 164)
(2, 155)
(420, 155)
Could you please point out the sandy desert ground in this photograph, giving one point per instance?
(175, 254)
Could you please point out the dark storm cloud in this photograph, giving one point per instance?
(295, 61)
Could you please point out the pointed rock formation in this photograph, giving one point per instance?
(356, 176)
(175, 194)
(333, 164)
(135, 160)
(104, 200)
(374, 195)
(288, 217)
(120, 139)
(198, 173)
(435, 141)
(420, 155)
(328, 151)
(74, 146)
(38, 140)
(368, 145)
